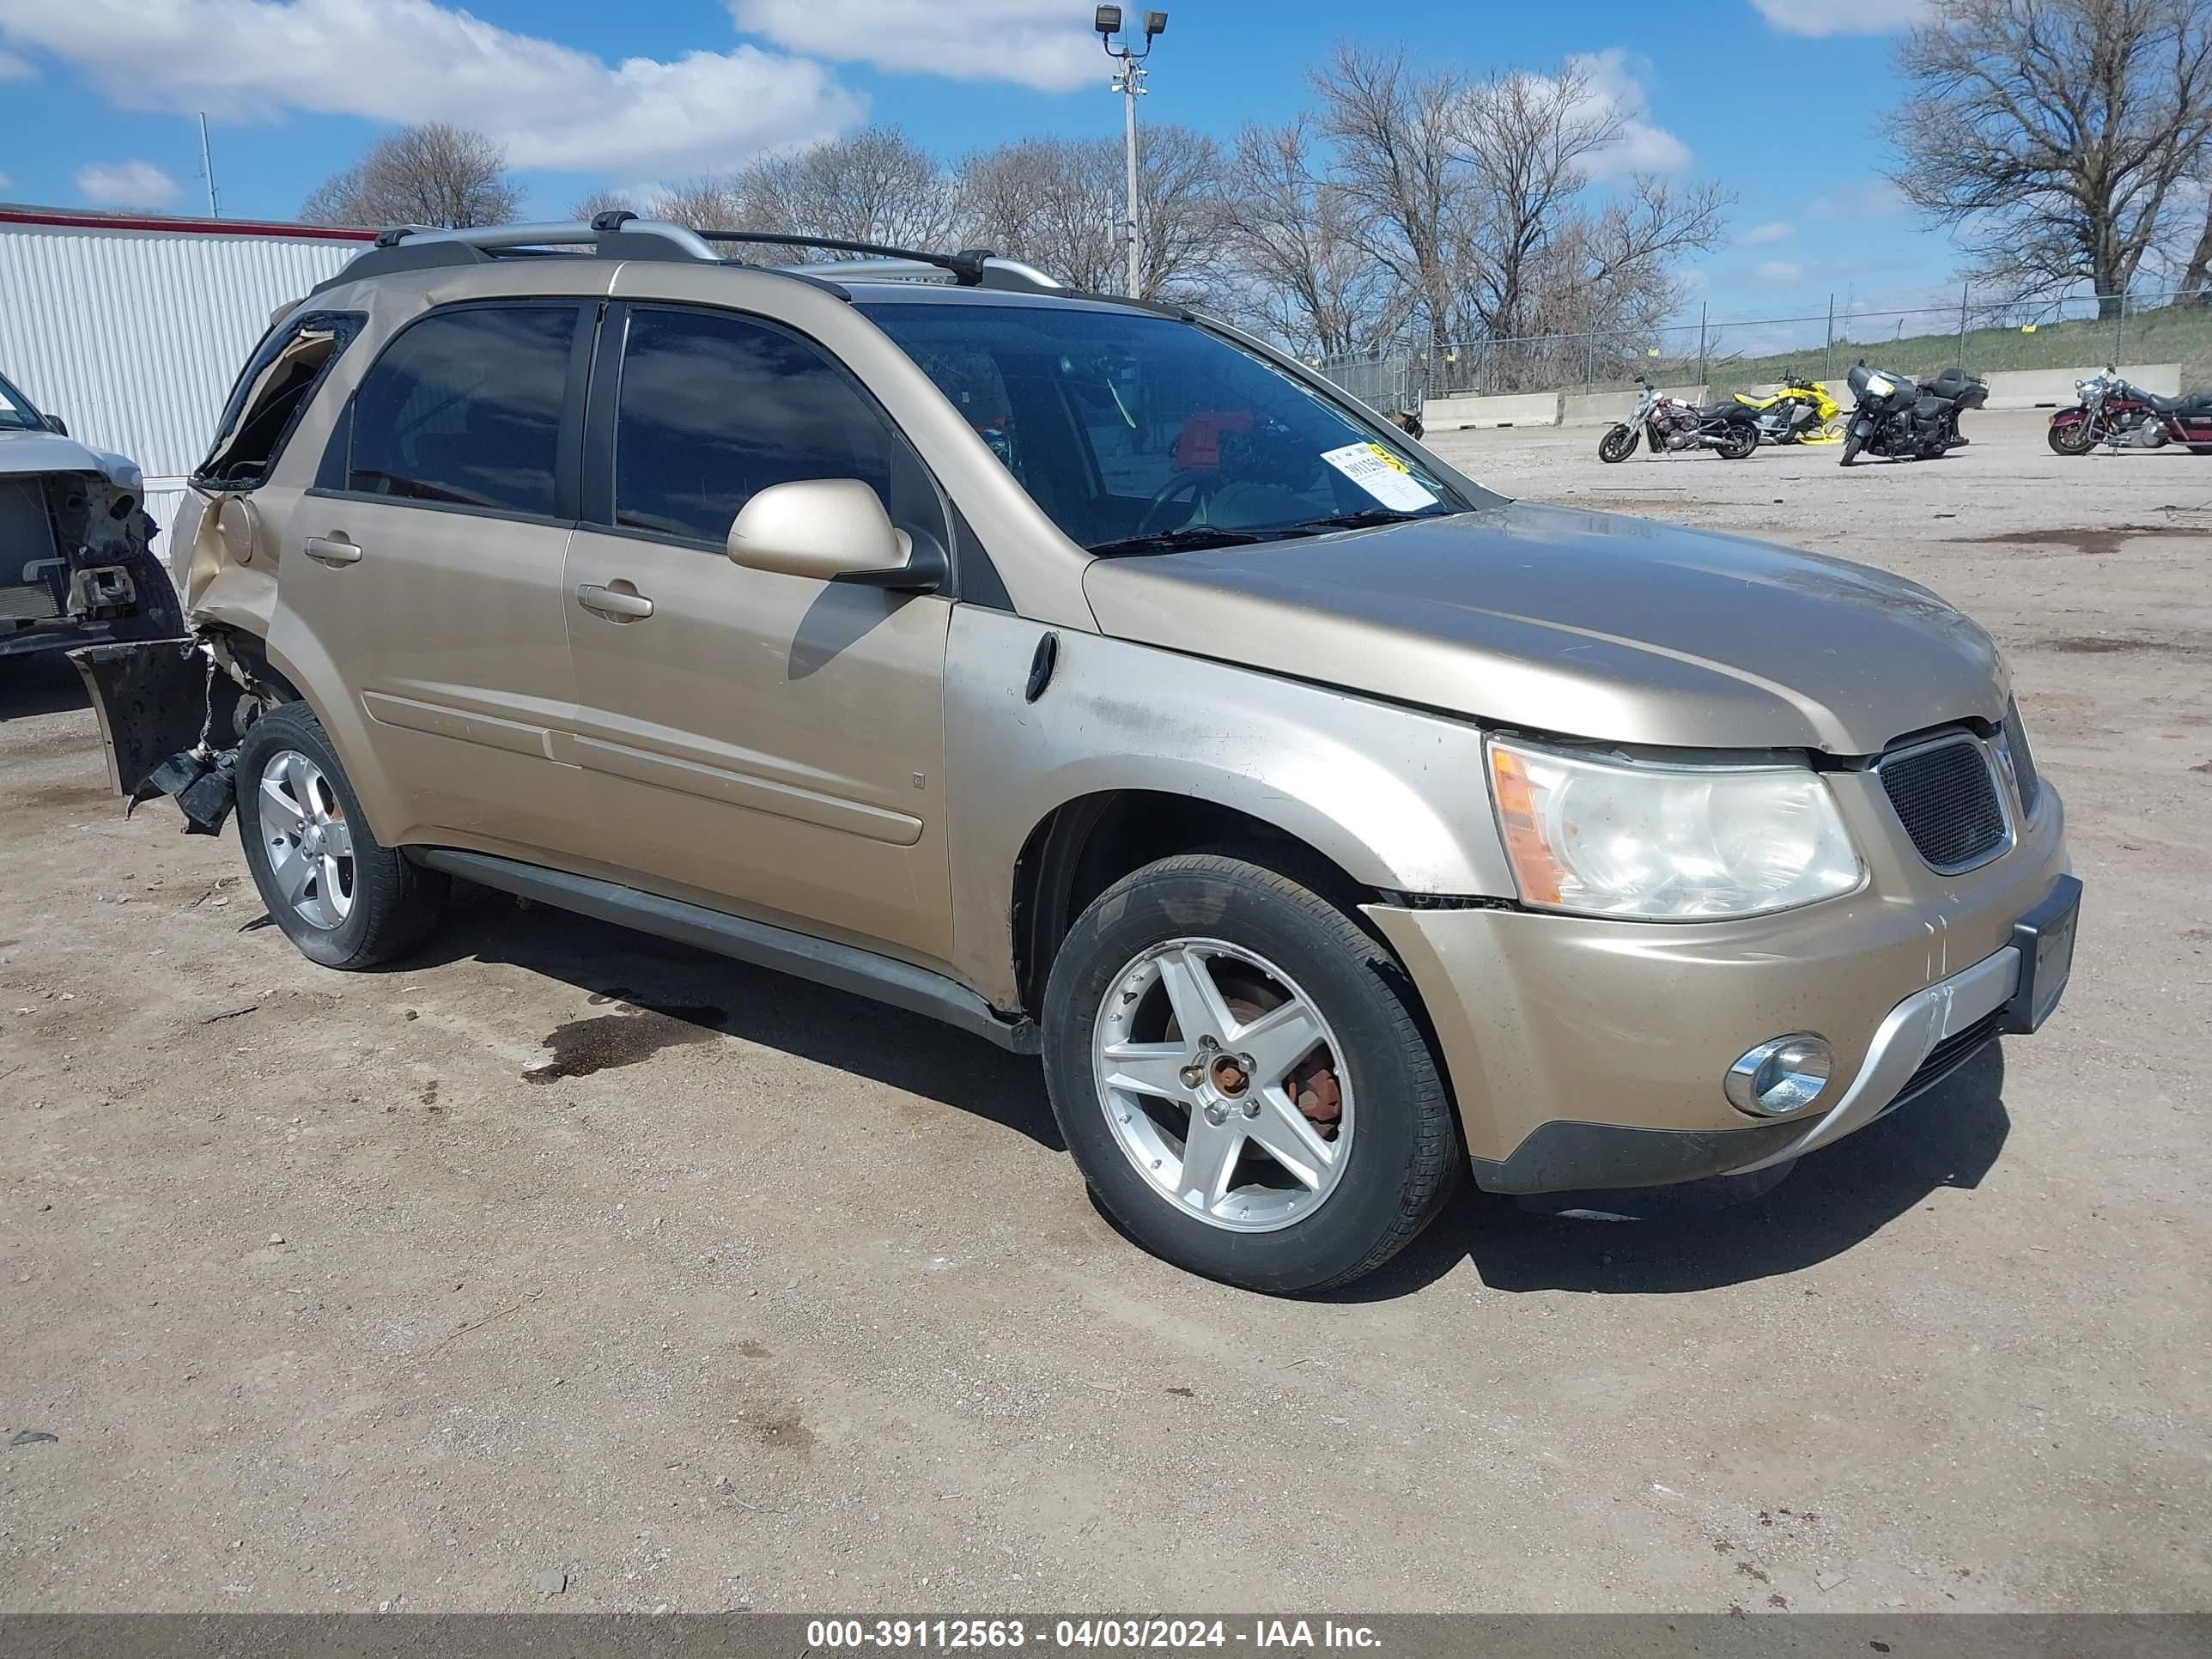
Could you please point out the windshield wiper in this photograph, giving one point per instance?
(1189, 537)
(1366, 515)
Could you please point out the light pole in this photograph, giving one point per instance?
(1130, 83)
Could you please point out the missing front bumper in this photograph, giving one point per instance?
(168, 717)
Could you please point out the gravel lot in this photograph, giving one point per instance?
(760, 1298)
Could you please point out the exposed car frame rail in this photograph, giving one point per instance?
(620, 234)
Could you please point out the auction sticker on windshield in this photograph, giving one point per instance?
(1382, 475)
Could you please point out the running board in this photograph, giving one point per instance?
(840, 967)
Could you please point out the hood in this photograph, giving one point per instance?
(23, 454)
(1583, 623)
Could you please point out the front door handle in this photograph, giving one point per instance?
(613, 602)
(336, 548)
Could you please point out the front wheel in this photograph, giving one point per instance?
(1737, 442)
(344, 900)
(1240, 1079)
(1852, 444)
(1618, 445)
(2072, 437)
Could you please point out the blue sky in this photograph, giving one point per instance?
(1776, 98)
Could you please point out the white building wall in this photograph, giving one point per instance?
(134, 338)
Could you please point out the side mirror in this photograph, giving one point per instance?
(56, 425)
(834, 530)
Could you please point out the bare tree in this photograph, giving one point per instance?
(2197, 275)
(1528, 254)
(873, 185)
(2049, 134)
(1298, 271)
(609, 201)
(1397, 133)
(432, 174)
(1059, 203)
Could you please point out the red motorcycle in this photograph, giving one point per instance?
(2118, 414)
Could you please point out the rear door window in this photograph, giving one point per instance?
(278, 384)
(466, 407)
(714, 408)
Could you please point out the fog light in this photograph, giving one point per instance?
(1779, 1077)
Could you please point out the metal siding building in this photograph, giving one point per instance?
(132, 329)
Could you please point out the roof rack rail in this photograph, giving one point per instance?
(1011, 275)
(618, 233)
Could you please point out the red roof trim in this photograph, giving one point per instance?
(34, 215)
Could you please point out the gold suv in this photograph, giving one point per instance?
(1093, 677)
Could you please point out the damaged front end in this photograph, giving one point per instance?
(171, 714)
(75, 565)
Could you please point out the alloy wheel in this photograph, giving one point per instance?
(1223, 1085)
(309, 843)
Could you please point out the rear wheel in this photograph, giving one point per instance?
(1241, 1081)
(1618, 445)
(1737, 442)
(344, 900)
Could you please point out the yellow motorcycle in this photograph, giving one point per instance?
(1801, 411)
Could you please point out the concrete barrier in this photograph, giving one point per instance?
(1457, 414)
(2053, 388)
(1611, 408)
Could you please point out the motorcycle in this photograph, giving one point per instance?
(1898, 417)
(2116, 413)
(1962, 392)
(1670, 423)
(1797, 413)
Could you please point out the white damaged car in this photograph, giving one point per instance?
(74, 566)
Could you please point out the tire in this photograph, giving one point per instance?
(1852, 442)
(1617, 444)
(2200, 449)
(1129, 966)
(2073, 438)
(1738, 443)
(362, 903)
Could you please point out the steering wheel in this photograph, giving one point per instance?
(1197, 485)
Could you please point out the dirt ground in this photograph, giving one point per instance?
(336, 1295)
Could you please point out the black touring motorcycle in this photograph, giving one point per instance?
(1905, 420)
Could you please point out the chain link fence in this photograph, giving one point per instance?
(1981, 337)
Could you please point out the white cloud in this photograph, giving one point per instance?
(125, 184)
(1779, 271)
(6, 182)
(1876, 198)
(1777, 231)
(1044, 44)
(1821, 17)
(1616, 83)
(13, 68)
(405, 61)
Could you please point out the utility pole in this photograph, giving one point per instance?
(1129, 81)
(207, 168)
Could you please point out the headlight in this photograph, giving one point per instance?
(1666, 843)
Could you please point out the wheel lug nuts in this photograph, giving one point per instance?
(1251, 1108)
(1192, 1076)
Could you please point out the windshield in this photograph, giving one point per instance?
(16, 411)
(1142, 434)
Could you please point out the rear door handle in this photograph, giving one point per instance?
(613, 602)
(336, 548)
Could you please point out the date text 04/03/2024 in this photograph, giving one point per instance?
(1086, 1634)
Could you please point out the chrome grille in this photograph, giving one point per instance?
(1945, 795)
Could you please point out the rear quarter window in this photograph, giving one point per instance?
(272, 393)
